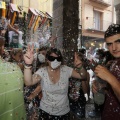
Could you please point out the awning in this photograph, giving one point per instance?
(14, 7)
(33, 11)
(2, 5)
(48, 15)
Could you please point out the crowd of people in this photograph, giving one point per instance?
(37, 84)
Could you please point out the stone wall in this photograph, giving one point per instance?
(65, 26)
(57, 22)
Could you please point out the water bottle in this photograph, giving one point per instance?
(99, 97)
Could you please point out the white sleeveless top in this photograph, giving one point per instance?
(55, 96)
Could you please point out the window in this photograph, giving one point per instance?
(97, 20)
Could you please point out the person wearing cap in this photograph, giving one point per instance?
(11, 90)
(111, 108)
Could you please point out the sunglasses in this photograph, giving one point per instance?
(51, 58)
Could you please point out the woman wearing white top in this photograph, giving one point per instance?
(54, 80)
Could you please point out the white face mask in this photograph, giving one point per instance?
(55, 64)
(41, 58)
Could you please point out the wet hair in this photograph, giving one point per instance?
(82, 58)
(113, 29)
(83, 51)
(56, 51)
(80, 54)
(101, 52)
(16, 51)
(109, 56)
(13, 53)
(43, 48)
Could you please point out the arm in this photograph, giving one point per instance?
(106, 75)
(13, 29)
(115, 84)
(85, 85)
(35, 92)
(30, 79)
(80, 72)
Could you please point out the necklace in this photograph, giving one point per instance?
(54, 75)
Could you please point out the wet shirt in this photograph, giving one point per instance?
(55, 96)
(11, 92)
(112, 105)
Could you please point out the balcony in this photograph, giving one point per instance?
(103, 2)
(96, 24)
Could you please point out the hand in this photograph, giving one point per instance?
(77, 60)
(30, 97)
(103, 73)
(9, 26)
(52, 39)
(29, 55)
(94, 86)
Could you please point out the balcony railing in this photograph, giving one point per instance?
(104, 2)
(95, 24)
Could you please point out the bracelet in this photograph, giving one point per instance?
(80, 68)
(77, 65)
(26, 67)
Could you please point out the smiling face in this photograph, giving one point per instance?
(113, 44)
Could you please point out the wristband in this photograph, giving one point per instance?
(77, 65)
(27, 65)
(78, 69)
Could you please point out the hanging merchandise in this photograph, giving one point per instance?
(3, 8)
(33, 16)
(36, 23)
(13, 12)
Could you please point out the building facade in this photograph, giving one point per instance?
(117, 10)
(43, 5)
(96, 16)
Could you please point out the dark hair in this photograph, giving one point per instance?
(43, 48)
(82, 50)
(16, 51)
(109, 56)
(82, 58)
(101, 53)
(112, 30)
(13, 53)
(56, 51)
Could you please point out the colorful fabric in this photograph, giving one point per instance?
(112, 105)
(11, 92)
